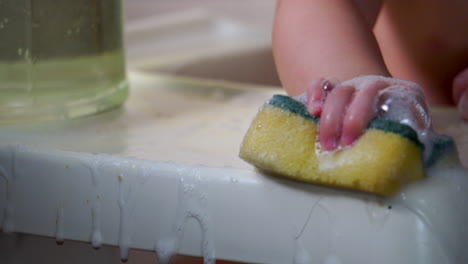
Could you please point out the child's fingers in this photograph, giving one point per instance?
(316, 94)
(333, 115)
(360, 112)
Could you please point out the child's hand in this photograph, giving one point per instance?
(460, 93)
(347, 108)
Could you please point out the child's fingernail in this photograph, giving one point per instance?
(347, 140)
(315, 108)
(331, 143)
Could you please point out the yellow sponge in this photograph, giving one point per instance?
(282, 140)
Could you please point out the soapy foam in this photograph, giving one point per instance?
(405, 107)
(302, 98)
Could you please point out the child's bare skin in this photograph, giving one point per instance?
(421, 41)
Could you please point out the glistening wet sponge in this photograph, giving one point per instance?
(282, 140)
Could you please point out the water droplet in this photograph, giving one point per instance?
(384, 107)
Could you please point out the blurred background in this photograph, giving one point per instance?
(208, 39)
(254, 12)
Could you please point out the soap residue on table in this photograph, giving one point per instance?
(433, 201)
(191, 204)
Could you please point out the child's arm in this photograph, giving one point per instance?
(316, 39)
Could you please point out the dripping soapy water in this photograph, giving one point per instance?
(59, 222)
(127, 205)
(10, 178)
(166, 248)
(96, 236)
(124, 238)
(191, 204)
(60, 215)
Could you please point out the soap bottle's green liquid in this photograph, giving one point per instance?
(60, 59)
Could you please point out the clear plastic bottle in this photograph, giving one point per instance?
(60, 59)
